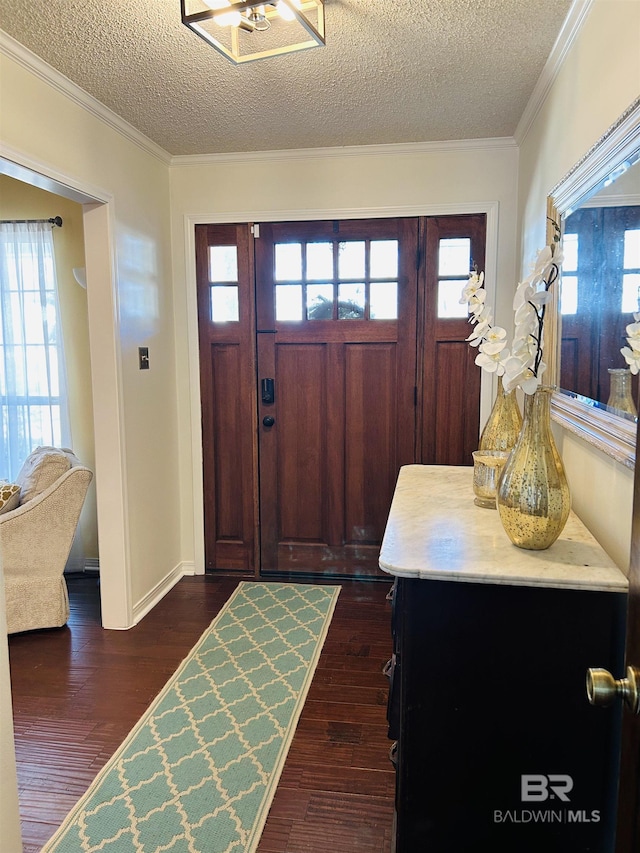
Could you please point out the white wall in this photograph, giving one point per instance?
(324, 184)
(57, 130)
(599, 79)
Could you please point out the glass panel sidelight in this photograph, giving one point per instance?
(631, 273)
(569, 290)
(223, 263)
(224, 304)
(454, 257)
(223, 278)
(454, 263)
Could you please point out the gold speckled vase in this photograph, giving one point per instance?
(503, 426)
(533, 493)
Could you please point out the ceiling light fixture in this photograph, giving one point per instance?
(245, 31)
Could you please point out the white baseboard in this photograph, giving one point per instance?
(142, 607)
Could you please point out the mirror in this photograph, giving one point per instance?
(598, 208)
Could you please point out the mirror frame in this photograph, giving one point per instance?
(610, 433)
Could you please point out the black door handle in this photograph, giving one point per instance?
(268, 421)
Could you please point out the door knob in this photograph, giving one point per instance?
(603, 688)
(268, 421)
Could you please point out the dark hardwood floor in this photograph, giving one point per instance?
(78, 690)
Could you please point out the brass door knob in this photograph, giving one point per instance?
(603, 688)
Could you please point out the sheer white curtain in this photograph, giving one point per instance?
(33, 388)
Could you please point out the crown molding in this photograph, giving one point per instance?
(572, 25)
(41, 69)
(395, 149)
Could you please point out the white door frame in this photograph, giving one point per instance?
(488, 388)
(106, 377)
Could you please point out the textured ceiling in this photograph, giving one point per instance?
(400, 71)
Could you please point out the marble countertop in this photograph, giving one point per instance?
(436, 531)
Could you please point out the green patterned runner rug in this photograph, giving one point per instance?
(198, 772)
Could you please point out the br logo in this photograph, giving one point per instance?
(538, 788)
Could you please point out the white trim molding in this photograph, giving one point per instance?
(41, 69)
(572, 25)
(497, 143)
(149, 601)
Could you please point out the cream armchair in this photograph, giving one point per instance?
(36, 538)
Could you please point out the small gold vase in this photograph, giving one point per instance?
(620, 398)
(533, 495)
(487, 468)
(503, 426)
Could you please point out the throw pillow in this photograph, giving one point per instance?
(9, 497)
(40, 470)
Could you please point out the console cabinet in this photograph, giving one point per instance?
(495, 745)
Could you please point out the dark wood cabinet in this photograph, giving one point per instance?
(497, 747)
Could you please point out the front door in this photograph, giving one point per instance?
(331, 353)
(336, 311)
(628, 834)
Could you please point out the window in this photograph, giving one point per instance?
(569, 289)
(336, 280)
(223, 280)
(33, 398)
(631, 272)
(454, 263)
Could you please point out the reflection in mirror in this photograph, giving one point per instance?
(600, 294)
(598, 204)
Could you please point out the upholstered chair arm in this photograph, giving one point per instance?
(36, 537)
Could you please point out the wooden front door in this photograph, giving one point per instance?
(331, 353)
(628, 832)
(336, 309)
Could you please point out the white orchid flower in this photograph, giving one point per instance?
(526, 315)
(524, 349)
(540, 297)
(474, 284)
(517, 369)
(496, 333)
(492, 362)
(632, 352)
(521, 365)
(478, 298)
(478, 333)
(482, 315)
(632, 357)
(492, 347)
(521, 296)
(530, 384)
